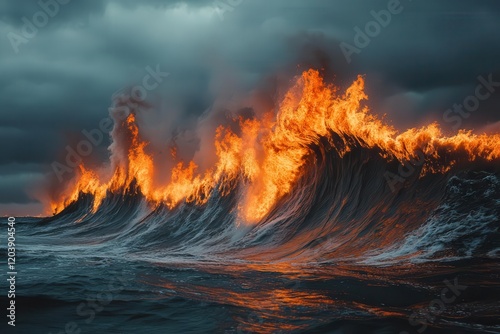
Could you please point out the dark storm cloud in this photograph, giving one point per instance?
(16, 185)
(61, 80)
(13, 11)
(27, 145)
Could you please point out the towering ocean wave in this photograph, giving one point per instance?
(322, 180)
(341, 209)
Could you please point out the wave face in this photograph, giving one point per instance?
(342, 209)
(344, 226)
(319, 179)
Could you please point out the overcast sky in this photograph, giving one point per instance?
(59, 80)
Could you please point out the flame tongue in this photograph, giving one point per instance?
(269, 154)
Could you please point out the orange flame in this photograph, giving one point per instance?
(269, 154)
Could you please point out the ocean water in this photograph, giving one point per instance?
(343, 253)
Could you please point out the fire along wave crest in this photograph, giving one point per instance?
(261, 159)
